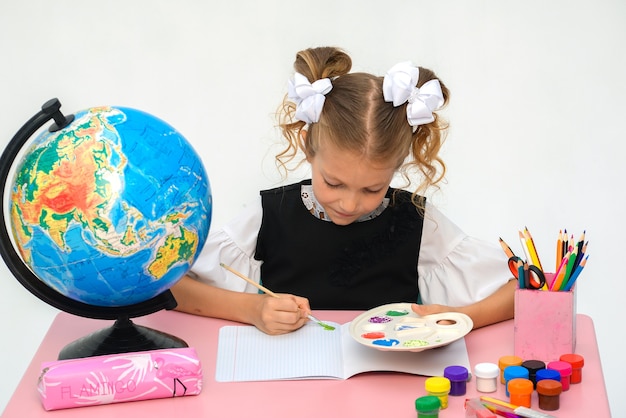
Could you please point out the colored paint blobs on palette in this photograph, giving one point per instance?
(386, 343)
(373, 335)
(397, 313)
(380, 319)
(395, 327)
(415, 343)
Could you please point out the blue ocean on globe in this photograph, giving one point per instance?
(113, 209)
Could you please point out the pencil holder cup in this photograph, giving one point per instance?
(545, 323)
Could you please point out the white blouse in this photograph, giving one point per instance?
(454, 269)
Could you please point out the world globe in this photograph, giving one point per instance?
(108, 208)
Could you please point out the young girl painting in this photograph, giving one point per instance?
(345, 239)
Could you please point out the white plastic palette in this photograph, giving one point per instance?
(395, 327)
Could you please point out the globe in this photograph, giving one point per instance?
(108, 208)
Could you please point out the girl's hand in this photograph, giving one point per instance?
(423, 310)
(281, 315)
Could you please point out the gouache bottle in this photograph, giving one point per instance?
(565, 369)
(549, 392)
(533, 366)
(486, 377)
(577, 361)
(427, 406)
(547, 374)
(521, 391)
(506, 361)
(457, 375)
(514, 372)
(440, 387)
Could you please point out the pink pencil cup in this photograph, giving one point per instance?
(545, 323)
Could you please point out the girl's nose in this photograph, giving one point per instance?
(349, 203)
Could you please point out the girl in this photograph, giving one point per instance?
(345, 239)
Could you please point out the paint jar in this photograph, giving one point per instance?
(514, 372)
(427, 407)
(521, 391)
(577, 361)
(533, 366)
(486, 377)
(457, 375)
(506, 361)
(544, 374)
(549, 392)
(565, 369)
(440, 387)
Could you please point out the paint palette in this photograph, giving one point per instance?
(395, 327)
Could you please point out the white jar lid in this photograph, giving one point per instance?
(486, 370)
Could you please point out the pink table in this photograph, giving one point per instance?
(365, 395)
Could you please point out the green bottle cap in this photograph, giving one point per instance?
(427, 403)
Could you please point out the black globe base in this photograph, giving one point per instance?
(122, 337)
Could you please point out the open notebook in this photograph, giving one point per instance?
(246, 354)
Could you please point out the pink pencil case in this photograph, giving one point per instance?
(123, 377)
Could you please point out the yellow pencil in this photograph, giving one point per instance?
(532, 249)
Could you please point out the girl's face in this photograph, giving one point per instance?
(347, 185)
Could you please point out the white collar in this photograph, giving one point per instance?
(313, 206)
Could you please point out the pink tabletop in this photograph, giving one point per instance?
(366, 395)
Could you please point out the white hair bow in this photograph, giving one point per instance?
(309, 98)
(399, 87)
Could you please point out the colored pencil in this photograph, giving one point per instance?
(269, 292)
(559, 274)
(507, 250)
(520, 274)
(569, 268)
(559, 249)
(575, 275)
(532, 249)
(581, 251)
(522, 240)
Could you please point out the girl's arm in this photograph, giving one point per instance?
(271, 315)
(499, 306)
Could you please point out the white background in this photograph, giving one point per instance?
(537, 112)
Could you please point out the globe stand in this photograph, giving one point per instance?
(124, 335)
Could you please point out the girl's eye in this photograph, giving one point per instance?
(332, 186)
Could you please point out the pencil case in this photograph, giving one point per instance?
(120, 377)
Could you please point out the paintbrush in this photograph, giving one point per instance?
(269, 292)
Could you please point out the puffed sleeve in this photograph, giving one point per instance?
(454, 268)
(234, 244)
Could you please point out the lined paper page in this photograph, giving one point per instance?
(246, 354)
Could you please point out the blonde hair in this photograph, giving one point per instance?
(356, 118)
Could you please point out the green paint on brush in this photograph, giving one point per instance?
(320, 323)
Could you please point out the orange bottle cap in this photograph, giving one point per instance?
(520, 386)
(506, 361)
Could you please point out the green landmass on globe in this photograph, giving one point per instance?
(111, 210)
